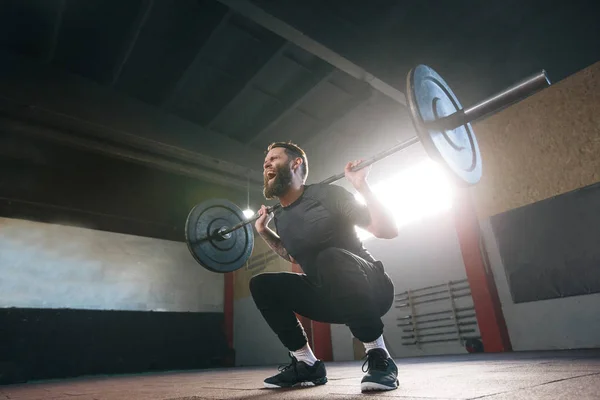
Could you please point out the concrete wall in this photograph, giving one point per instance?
(55, 266)
(254, 341)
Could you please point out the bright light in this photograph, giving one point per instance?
(413, 194)
(248, 213)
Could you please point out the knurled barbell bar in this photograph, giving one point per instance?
(219, 236)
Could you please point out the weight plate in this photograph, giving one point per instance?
(430, 98)
(224, 255)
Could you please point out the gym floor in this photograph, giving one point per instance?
(527, 375)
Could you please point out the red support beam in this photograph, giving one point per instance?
(488, 309)
(228, 317)
(322, 346)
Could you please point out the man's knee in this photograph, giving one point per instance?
(259, 283)
(265, 285)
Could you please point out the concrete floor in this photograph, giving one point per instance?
(532, 376)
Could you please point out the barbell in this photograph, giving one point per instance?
(220, 237)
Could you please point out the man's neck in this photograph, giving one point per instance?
(292, 194)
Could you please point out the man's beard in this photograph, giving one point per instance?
(280, 183)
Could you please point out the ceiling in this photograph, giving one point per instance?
(246, 73)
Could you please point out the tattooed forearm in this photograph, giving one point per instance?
(275, 243)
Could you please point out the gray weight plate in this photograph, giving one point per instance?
(430, 98)
(218, 255)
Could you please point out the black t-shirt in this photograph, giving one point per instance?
(323, 216)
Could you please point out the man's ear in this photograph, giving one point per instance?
(297, 162)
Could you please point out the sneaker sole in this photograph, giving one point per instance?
(372, 386)
(316, 382)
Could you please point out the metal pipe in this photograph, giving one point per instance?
(441, 333)
(441, 319)
(380, 156)
(441, 326)
(433, 286)
(434, 300)
(458, 309)
(439, 340)
(493, 104)
(455, 289)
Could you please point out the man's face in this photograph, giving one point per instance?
(277, 173)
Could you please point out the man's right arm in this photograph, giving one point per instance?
(274, 243)
(268, 235)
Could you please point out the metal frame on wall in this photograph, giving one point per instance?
(446, 322)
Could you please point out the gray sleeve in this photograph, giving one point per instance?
(346, 204)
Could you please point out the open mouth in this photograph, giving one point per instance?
(271, 176)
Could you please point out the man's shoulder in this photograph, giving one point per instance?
(326, 189)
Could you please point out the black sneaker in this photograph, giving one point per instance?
(381, 373)
(298, 373)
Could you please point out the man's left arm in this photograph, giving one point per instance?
(382, 223)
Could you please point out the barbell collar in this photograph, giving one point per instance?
(515, 93)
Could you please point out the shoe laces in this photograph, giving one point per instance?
(375, 361)
(285, 367)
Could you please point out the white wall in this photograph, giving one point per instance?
(55, 266)
(254, 341)
(567, 323)
(425, 253)
(362, 133)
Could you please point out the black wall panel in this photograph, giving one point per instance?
(58, 343)
(551, 249)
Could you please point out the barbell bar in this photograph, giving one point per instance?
(217, 232)
(493, 104)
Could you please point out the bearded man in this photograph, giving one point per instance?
(341, 283)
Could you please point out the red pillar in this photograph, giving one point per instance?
(322, 346)
(318, 333)
(228, 317)
(488, 309)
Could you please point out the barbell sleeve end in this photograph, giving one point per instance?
(515, 93)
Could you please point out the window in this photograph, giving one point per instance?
(414, 194)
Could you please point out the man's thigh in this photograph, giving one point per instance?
(297, 293)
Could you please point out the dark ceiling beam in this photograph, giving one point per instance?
(249, 85)
(324, 134)
(53, 38)
(129, 44)
(172, 95)
(125, 153)
(293, 35)
(324, 128)
(90, 132)
(290, 108)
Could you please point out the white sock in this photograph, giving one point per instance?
(377, 344)
(305, 354)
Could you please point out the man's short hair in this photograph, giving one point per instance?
(293, 150)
